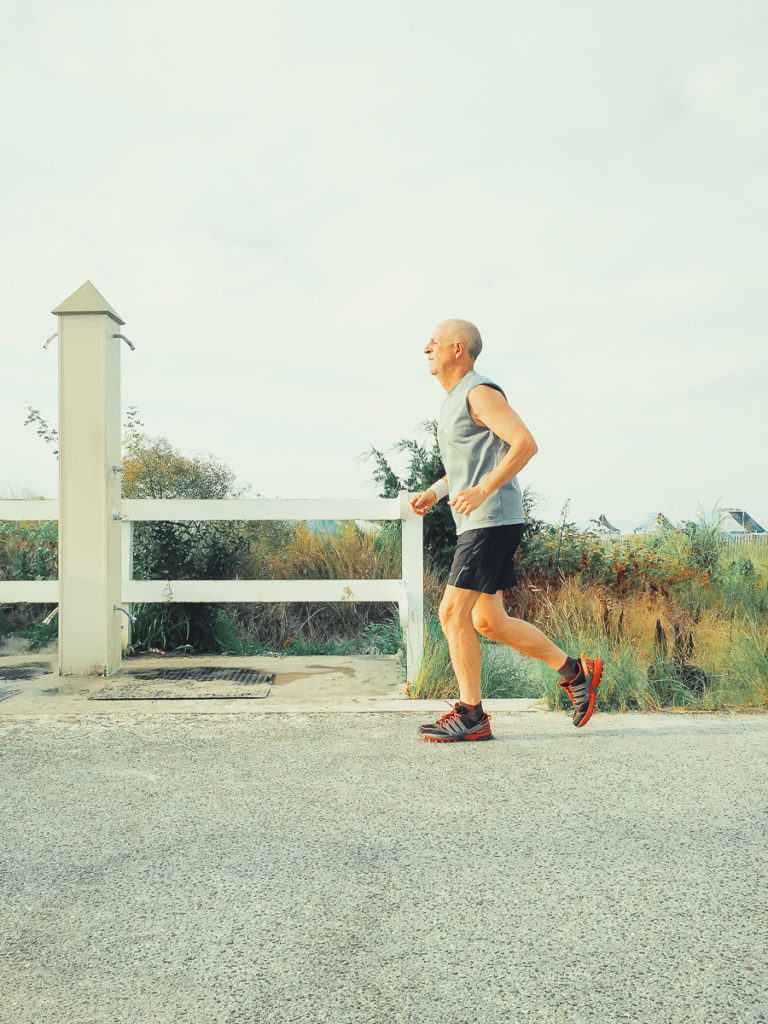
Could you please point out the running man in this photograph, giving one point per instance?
(484, 444)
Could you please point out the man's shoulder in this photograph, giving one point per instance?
(487, 386)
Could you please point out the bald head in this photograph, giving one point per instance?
(453, 331)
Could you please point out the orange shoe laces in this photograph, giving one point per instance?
(453, 713)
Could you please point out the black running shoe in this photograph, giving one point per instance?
(453, 727)
(583, 689)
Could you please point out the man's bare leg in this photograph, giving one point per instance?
(489, 617)
(456, 619)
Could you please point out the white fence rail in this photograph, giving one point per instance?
(246, 509)
(407, 591)
(31, 510)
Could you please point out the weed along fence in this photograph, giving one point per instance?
(95, 588)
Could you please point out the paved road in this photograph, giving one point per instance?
(224, 868)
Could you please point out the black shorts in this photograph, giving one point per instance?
(485, 558)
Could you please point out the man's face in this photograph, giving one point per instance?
(438, 352)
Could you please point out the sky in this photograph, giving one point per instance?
(282, 199)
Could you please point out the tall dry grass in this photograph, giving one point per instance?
(680, 620)
(729, 645)
(351, 552)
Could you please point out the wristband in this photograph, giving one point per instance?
(440, 487)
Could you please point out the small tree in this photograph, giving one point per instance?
(153, 468)
(425, 465)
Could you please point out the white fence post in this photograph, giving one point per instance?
(89, 484)
(126, 548)
(413, 581)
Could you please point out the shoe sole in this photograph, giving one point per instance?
(455, 739)
(437, 737)
(597, 675)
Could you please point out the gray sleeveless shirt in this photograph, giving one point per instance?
(469, 453)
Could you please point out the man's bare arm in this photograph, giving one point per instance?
(492, 409)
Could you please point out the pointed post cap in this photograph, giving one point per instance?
(87, 300)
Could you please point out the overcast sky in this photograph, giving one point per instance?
(282, 199)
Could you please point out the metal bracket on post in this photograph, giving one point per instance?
(129, 343)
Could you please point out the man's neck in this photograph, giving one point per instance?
(450, 380)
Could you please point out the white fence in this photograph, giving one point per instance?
(756, 539)
(747, 539)
(407, 591)
(95, 583)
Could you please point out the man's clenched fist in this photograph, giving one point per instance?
(421, 503)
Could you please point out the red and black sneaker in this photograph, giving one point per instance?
(453, 726)
(583, 689)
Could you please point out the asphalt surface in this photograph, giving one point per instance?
(329, 867)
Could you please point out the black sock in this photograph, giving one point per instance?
(570, 669)
(473, 711)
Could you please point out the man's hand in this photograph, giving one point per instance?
(422, 502)
(469, 499)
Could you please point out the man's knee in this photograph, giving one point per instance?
(489, 624)
(445, 612)
(452, 616)
(488, 627)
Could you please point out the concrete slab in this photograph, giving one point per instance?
(314, 683)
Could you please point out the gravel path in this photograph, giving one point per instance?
(257, 869)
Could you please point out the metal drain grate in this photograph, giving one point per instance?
(29, 671)
(241, 676)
